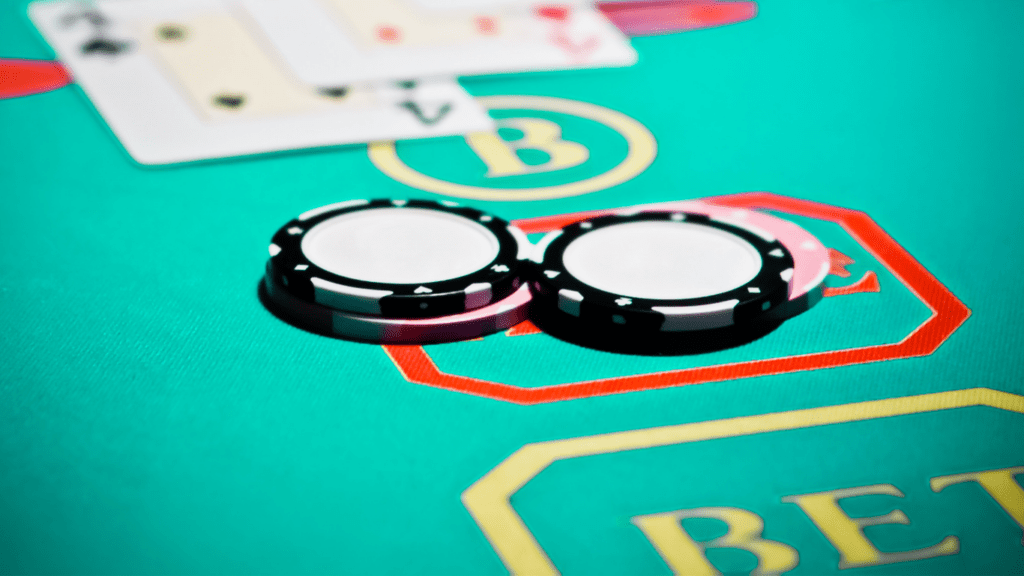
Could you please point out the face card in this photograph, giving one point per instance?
(187, 80)
(344, 41)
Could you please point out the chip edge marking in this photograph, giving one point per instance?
(336, 206)
(351, 299)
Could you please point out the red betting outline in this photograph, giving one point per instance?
(947, 314)
(19, 77)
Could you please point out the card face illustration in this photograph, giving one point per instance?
(187, 80)
(343, 41)
(223, 70)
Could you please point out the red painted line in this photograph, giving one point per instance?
(669, 16)
(867, 283)
(838, 263)
(418, 367)
(26, 77)
(522, 329)
(948, 313)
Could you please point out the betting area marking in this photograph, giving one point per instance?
(26, 77)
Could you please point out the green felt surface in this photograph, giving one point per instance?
(156, 419)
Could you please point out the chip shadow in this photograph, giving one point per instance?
(616, 340)
(622, 341)
(294, 319)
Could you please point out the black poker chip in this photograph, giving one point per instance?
(621, 341)
(398, 258)
(654, 272)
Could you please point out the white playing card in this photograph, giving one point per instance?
(488, 4)
(342, 41)
(184, 80)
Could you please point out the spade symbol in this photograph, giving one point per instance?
(230, 101)
(171, 33)
(415, 109)
(104, 46)
(335, 91)
(93, 17)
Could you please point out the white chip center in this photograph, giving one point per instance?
(662, 260)
(400, 245)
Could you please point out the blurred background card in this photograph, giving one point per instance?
(187, 80)
(342, 41)
(483, 4)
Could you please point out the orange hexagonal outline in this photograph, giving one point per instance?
(947, 314)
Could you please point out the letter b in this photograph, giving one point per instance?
(500, 155)
(684, 555)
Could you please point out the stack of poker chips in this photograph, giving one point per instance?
(398, 272)
(675, 278)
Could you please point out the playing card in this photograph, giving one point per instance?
(183, 80)
(490, 4)
(343, 41)
(474, 4)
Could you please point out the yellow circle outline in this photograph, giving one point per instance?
(642, 151)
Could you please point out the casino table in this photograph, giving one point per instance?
(157, 418)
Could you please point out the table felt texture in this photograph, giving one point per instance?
(155, 418)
